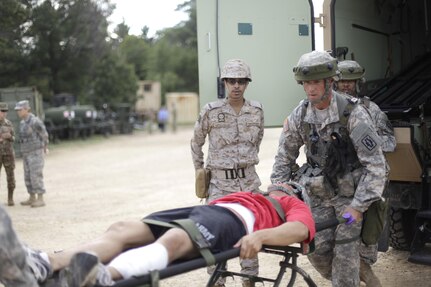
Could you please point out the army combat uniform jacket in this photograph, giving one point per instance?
(32, 134)
(6, 143)
(365, 182)
(233, 144)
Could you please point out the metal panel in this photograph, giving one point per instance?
(272, 49)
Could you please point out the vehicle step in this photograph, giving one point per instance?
(424, 214)
(422, 256)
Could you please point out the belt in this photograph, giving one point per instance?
(232, 173)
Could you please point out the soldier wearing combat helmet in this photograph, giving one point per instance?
(352, 78)
(345, 170)
(7, 153)
(234, 127)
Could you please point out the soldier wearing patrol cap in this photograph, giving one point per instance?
(345, 170)
(234, 127)
(7, 153)
(33, 139)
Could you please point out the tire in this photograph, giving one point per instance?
(401, 228)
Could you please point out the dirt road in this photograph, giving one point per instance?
(93, 183)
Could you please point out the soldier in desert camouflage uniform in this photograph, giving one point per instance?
(351, 80)
(234, 127)
(345, 170)
(33, 139)
(14, 270)
(7, 153)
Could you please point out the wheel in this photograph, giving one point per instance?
(401, 227)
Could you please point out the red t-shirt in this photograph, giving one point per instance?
(265, 214)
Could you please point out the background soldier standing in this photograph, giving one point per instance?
(234, 127)
(7, 153)
(345, 170)
(351, 80)
(33, 139)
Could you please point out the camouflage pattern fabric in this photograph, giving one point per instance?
(14, 271)
(357, 189)
(33, 171)
(386, 132)
(336, 254)
(33, 141)
(32, 134)
(7, 153)
(384, 127)
(233, 142)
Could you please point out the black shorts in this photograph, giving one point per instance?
(218, 225)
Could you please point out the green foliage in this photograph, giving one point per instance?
(63, 46)
(115, 81)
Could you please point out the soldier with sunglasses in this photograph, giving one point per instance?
(234, 127)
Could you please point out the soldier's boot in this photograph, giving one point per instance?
(10, 201)
(30, 200)
(367, 275)
(39, 201)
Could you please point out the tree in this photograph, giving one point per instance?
(136, 51)
(174, 58)
(69, 38)
(14, 17)
(114, 81)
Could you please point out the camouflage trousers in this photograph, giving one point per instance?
(33, 171)
(248, 266)
(368, 253)
(14, 271)
(336, 256)
(8, 161)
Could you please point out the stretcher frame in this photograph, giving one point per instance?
(289, 256)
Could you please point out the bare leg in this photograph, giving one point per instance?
(177, 243)
(120, 236)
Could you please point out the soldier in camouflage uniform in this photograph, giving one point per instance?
(14, 270)
(345, 170)
(33, 139)
(350, 82)
(235, 128)
(7, 153)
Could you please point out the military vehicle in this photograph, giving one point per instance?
(13, 95)
(390, 39)
(69, 120)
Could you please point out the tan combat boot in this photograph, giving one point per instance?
(30, 200)
(367, 275)
(10, 201)
(39, 201)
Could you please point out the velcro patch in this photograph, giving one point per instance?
(368, 142)
(365, 138)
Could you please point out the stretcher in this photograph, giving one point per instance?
(289, 255)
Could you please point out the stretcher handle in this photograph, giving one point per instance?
(345, 218)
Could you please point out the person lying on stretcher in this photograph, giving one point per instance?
(245, 220)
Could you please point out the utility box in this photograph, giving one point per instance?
(183, 108)
(269, 36)
(148, 97)
(13, 95)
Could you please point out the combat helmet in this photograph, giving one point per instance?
(351, 70)
(315, 65)
(236, 68)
